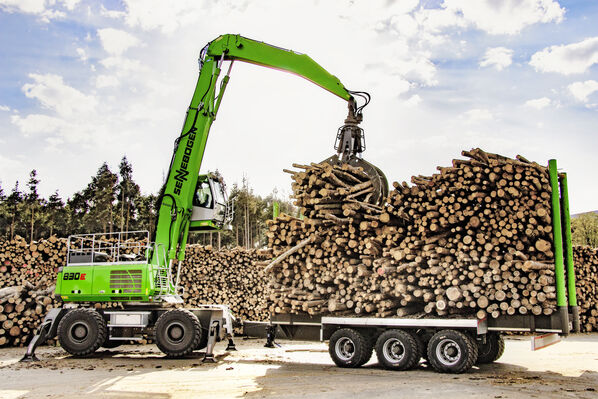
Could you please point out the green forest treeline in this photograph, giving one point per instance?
(112, 202)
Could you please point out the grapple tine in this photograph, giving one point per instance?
(377, 177)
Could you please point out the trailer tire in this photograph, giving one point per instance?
(492, 350)
(348, 348)
(177, 332)
(370, 340)
(82, 331)
(452, 351)
(421, 348)
(397, 350)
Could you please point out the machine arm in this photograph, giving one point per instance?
(175, 203)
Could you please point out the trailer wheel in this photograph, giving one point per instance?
(177, 332)
(349, 348)
(452, 351)
(370, 341)
(492, 350)
(82, 331)
(397, 350)
(421, 348)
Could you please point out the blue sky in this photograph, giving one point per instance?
(82, 82)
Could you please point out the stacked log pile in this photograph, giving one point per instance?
(472, 239)
(478, 237)
(325, 262)
(22, 308)
(586, 270)
(227, 277)
(21, 261)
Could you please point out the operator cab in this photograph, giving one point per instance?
(211, 210)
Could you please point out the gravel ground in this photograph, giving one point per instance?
(296, 370)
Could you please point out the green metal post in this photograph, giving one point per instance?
(559, 269)
(569, 251)
(275, 209)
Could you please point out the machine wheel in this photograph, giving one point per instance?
(82, 331)
(349, 348)
(397, 350)
(492, 350)
(205, 331)
(177, 332)
(452, 351)
(370, 341)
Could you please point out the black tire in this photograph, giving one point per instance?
(397, 350)
(492, 350)
(370, 341)
(177, 332)
(452, 351)
(204, 322)
(348, 348)
(82, 331)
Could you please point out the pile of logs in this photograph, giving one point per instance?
(472, 239)
(586, 273)
(22, 308)
(227, 277)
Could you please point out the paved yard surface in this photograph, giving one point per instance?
(297, 370)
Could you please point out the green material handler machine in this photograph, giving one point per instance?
(142, 272)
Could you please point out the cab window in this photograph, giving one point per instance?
(203, 195)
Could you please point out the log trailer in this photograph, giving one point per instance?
(144, 277)
(450, 344)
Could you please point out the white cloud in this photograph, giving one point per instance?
(70, 4)
(54, 94)
(116, 41)
(168, 16)
(477, 115)
(38, 124)
(506, 16)
(413, 101)
(9, 166)
(4, 108)
(112, 13)
(538, 103)
(25, 6)
(34, 7)
(106, 81)
(582, 90)
(82, 54)
(567, 59)
(498, 57)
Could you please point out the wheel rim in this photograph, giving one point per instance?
(345, 348)
(448, 352)
(79, 331)
(175, 332)
(393, 350)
